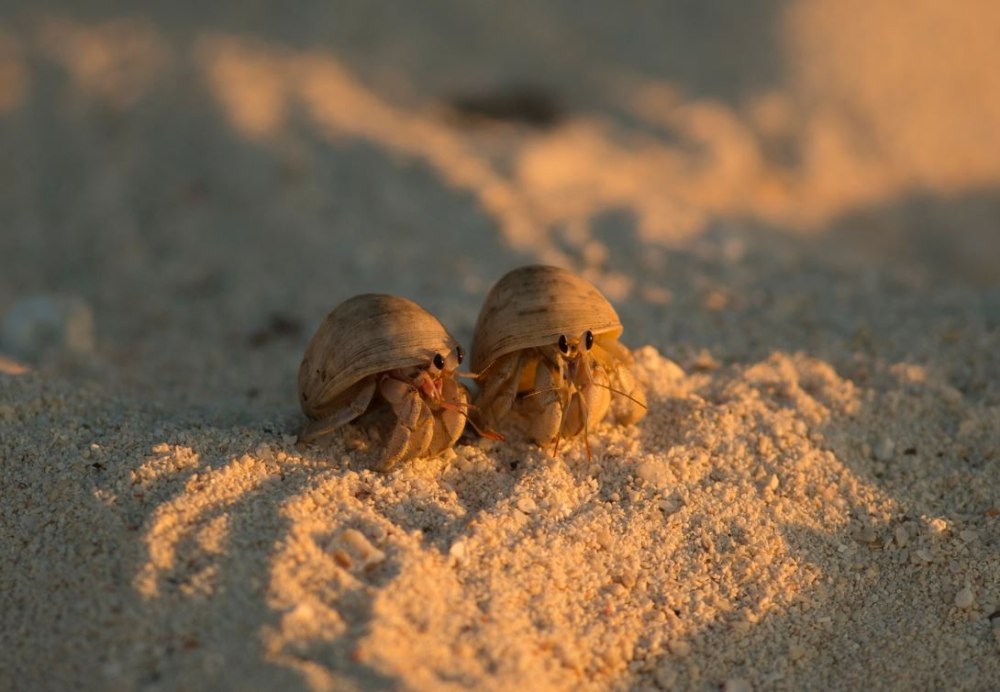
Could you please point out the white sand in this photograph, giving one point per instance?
(795, 210)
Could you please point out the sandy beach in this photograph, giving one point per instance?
(794, 206)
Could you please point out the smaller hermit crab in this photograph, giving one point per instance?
(549, 361)
(375, 349)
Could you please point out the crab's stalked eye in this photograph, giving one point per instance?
(588, 339)
(563, 343)
(439, 361)
(460, 352)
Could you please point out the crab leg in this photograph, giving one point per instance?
(341, 415)
(414, 428)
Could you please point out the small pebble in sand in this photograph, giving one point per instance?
(353, 549)
(884, 449)
(12, 367)
(866, 534)
(704, 361)
(666, 676)
(459, 552)
(44, 325)
(964, 598)
(680, 648)
(937, 526)
(737, 685)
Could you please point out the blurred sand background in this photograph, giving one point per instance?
(795, 206)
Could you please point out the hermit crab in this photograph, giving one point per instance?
(381, 349)
(548, 358)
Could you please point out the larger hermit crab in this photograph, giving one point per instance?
(380, 349)
(548, 357)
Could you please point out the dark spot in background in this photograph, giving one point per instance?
(278, 326)
(517, 104)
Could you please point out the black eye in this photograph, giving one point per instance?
(588, 339)
(461, 354)
(563, 344)
(439, 361)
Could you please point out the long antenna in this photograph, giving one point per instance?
(618, 391)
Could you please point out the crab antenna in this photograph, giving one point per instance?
(475, 375)
(536, 392)
(488, 434)
(468, 375)
(618, 391)
(465, 407)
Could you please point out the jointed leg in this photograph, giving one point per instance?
(628, 402)
(541, 410)
(345, 413)
(589, 401)
(449, 419)
(496, 399)
(414, 428)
